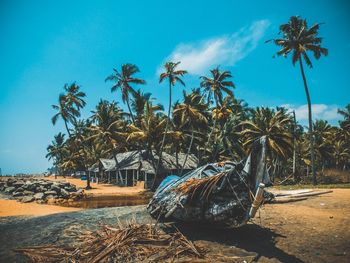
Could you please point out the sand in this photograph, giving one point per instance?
(102, 189)
(14, 208)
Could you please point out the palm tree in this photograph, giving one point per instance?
(273, 125)
(123, 80)
(138, 102)
(345, 124)
(300, 39)
(75, 96)
(55, 149)
(214, 88)
(151, 128)
(173, 76)
(109, 127)
(69, 105)
(323, 132)
(65, 111)
(191, 114)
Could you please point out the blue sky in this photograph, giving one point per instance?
(45, 44)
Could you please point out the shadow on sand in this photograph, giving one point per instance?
(251, 238)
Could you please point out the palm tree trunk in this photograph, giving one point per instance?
(312, 150)
(131, 115)
(66, 124)
(163, 140)
(294, 145)
(188, 152)
(88, 186)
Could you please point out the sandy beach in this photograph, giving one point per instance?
(102, 189)
(13, 208)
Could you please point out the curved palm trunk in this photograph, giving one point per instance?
(312, 150)
(163, 140)
(188, 152)
(131, 115)
(66, 124)
(294, 146)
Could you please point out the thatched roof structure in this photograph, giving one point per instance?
(143, 161)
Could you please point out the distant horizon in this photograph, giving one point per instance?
(46, 45)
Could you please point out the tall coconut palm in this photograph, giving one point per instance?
(75, 96)
(65, 111)
(123, 81)
(214, 88)
(69, 105)
(299, 39)
(173, 75)
(80, 141)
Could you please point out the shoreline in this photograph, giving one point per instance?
(100, 192)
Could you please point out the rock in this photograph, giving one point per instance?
(39, 196)
(18, 184)
(26, 192)
(20, 189)
(64, 193)
(70, 188)
(55, 188)
(27, 199)
(17, 194)
(42, 188)
(45, 184)
(80, 191)
(50, 200)
(51, 192)
(29, 186)
(10, 189)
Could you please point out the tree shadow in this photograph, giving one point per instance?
(251, 238)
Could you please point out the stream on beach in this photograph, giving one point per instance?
(107, 201)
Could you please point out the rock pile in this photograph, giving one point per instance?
(42, 191)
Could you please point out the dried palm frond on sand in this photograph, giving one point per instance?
(130, 243)
(200, 188)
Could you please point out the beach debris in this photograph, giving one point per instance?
(131, 242)
(288, 196)
(226, 193)
(40, 190)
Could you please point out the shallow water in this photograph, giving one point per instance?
(107, 201)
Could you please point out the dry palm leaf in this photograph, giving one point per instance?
(130, 243)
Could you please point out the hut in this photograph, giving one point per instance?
(127, 168)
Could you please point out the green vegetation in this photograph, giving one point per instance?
(210, 122)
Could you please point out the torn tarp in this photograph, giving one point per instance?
(214, 193)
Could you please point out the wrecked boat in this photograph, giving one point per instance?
(225, 193)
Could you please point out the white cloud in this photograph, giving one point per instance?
(197, 58)
(319, 111)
